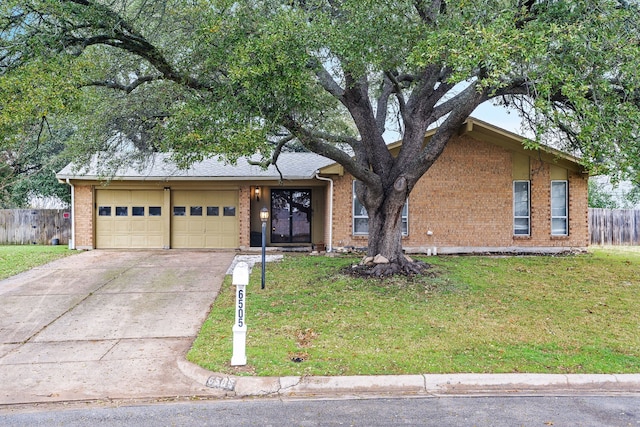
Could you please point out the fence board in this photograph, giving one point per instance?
(614, 226)
(34, 226)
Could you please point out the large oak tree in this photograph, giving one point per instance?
(203, 78)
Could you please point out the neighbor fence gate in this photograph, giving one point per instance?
(614, 226)
(34, 226)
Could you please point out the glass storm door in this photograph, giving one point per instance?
(290, 216)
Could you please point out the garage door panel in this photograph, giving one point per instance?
(103, 227)
(214, 241)
(214, 227)
(155, 227)
(141, 230)
(146, 241)
(122, 226)
(196, 241)
(195, 226)
(179, 226)
(122, 241)
(155, 241)
(138, 226)
(146, 226)
(209, 228)
(186, 241)
(220, 241)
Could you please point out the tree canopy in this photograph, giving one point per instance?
(32, 96)
(203, 78)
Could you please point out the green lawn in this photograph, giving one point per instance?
(567, 314)
(16, 259)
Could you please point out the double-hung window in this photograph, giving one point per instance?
(521, 208)
(559, 208)
(361, 218)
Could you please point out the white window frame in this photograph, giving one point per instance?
(357, 215)
(564, 217)
(528, 216)
(360, 215)
(404, 220)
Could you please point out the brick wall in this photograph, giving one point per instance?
(83, 221)
(244, 216)
(579, 208)
(466, 201)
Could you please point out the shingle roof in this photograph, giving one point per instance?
(160, 167)
(292, 165)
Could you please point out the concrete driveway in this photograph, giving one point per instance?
(105, 325)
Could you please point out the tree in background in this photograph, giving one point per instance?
(33, 100)
(29, 173)
(611, 195)
(599, 197)
(218, 77)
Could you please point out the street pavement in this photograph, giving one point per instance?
(116, 325)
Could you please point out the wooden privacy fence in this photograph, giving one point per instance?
(34, 226)
(614, 226)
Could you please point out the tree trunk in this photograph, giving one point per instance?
(385, 228)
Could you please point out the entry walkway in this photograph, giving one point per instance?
(106, 325)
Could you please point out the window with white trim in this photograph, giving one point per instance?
(559, 208)
(361, 218)
(521, 208)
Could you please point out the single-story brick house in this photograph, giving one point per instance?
(485, 193)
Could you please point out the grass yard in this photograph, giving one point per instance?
(15, 259)
(568, 314)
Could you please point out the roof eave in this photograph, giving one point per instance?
(64, 178)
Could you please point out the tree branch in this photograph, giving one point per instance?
(337, 139)
(274, 156)
(460, 107)
(429, 10)
(382, 104)
(524, 14)
(358, 169)
(397, 89)
(112, 84)
(120, 34)
(327, 82)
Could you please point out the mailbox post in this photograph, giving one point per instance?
(240, 280)
(264, 217)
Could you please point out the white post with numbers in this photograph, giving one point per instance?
(240, 280)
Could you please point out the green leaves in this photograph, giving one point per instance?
(32, 100)
(220, 77)
(37, 89)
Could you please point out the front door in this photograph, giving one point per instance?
(290, 216)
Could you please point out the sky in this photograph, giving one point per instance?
(493, 114)
(499, 116)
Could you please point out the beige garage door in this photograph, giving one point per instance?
(204, 219)
(129, 219)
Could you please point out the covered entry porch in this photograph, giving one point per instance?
(298, 215)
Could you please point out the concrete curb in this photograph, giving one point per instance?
(413, 385)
